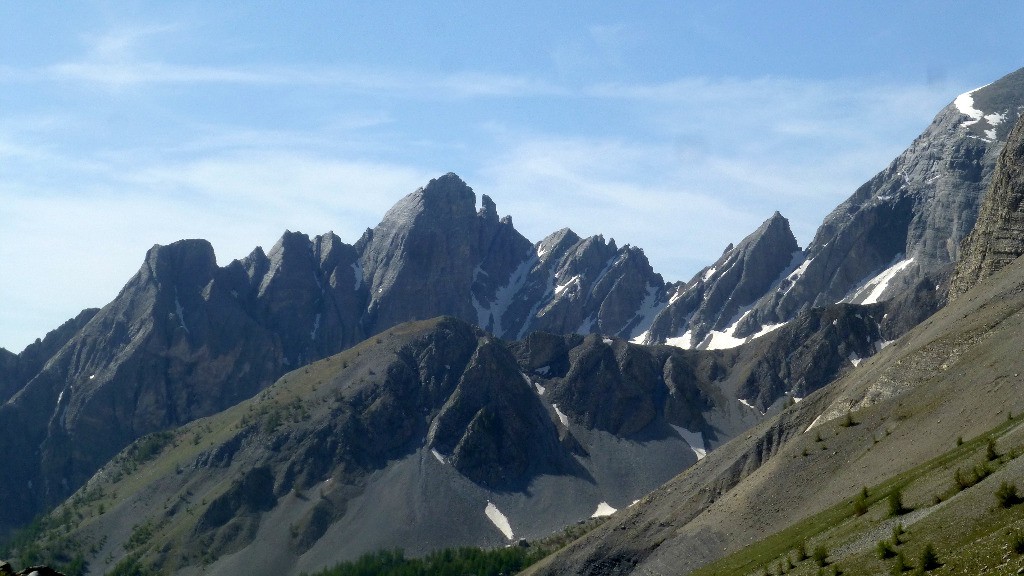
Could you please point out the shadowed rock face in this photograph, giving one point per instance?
(17, 369)
(998, 237)
(174, 346)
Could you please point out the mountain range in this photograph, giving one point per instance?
(504, 388)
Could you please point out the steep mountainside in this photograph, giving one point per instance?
(998, 237)
(436, 434)
(901, 227)
(916, 417)
(17, 369)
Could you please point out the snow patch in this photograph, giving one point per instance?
(707, 275)
(751, 406)
(567, 285)
(684, 341)
(724, 339)
(965, 104)
(498, 519)
(561, 416)
(540, 389)
(603, 509)
(766, 329)
(60, 397)
(607, 340)
(855, 360)
(641, 338)
(438, 455)
(645, 315)
(503, 297)
(92, 377)
(526, 379)
(694, 439)
(543, 370)
(872, 290)
(716, 340)
(815, 423)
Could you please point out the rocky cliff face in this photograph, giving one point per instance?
(907, 222)
(998, 236)
(17, 369)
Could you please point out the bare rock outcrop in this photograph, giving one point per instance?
(998, 236)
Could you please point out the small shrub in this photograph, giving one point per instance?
(848, 420)
(885, 550)
(896, 507)
(897, 533)
(990, 450)
(801, 551)
(929, 559)
(899, 564)
(820, 555)
(1017, 542)
(860, 503)
(959, 440)
(1006, 495)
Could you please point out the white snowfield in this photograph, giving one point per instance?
(965, 104)
(694, 439)
(751, 406)
(603, 509)
(561, 416)
(438, 455)
(871, 291)
(498, 519)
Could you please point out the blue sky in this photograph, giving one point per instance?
(674, 126)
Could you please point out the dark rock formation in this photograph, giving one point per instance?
(998, 236)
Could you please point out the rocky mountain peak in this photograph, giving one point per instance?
(184, 259)
(715, 300)
(998, 236)
(991, 110)
(488, 210)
